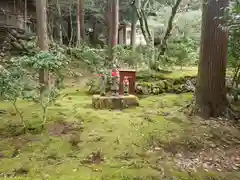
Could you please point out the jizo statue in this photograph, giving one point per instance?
(126, 86)
(102, 83)
(115, 78)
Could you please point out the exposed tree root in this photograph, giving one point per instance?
(192, 109)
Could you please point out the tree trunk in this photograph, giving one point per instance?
(81, 18)
(144, 16)
(140, 10)
(125, 35)
(69, 31)
(163, 46)
(109, 22)
(93, 34)
(70, 27)
(25, 16)
(133, 36)
(211, 90)
(78, 24)
(134, 25)
(115, 22)
(50, 25)
(60, 30)
(41, 15)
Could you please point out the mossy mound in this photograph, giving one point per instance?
(144, 76)
(165, 82)
(151, 76)
(114, 102)
(181, 85)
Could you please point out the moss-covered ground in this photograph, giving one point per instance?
(152, 141)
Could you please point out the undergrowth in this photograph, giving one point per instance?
(83, 143)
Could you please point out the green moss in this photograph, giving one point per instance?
(104, 130)
(150, 76)
(180, 74)
(120, 136)
(168, 84)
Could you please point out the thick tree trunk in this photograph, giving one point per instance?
(211, 90)
(81, 18)
(42, 38)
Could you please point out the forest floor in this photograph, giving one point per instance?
(152, 141)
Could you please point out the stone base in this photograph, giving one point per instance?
(114, 102)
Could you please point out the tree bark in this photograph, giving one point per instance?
(109, 22)
(70, 27)
(60, 29)
(50, 25)
(167, 34)
(134, 24)
(115, 23)
(78, 24)
(41, 15)
(81, 18)
(211, 90)
(140, 10)
(125, 35)
(25, 16)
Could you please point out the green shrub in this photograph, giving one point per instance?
(183, 52)
(19, 81)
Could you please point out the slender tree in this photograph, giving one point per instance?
(109, 22)
(115, 23)
(59, 25)
(211, 91)
(167, 34)
(81, 18)
(25, 16)
(80, 21)
(133, 25)
(42, 34)
(78, 24)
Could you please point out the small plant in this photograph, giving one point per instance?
(53, 62)
(44, 100)
(13, 83)
(19, 81)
